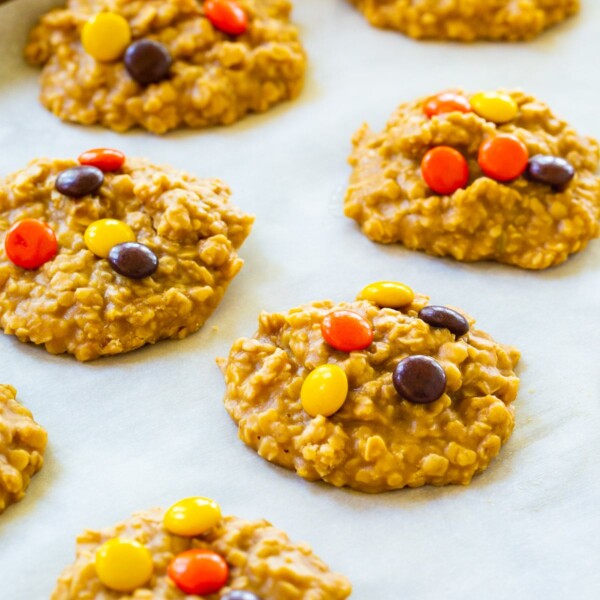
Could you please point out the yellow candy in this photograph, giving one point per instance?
(495, 107)
(192, 516)
(324, 391)
(106, 36)
(123, 565)
(102, 235)
(387, 294)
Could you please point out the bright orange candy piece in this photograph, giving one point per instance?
(199, 571)
(445, 170)
(503, 157)
(347, 331)
(105, 159)
(227, 16)
(446, 102)
(30, 243)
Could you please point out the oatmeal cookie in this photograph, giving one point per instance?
(163, 64)
(22, 446)
(191, 551)
(488, 176)
(98, 261)
(376, 394)
(506, 20)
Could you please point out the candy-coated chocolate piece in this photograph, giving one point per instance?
(106, 36)
(133, 260)
(446, 318)
(503, 158)
(495, 107)
(419, 379)
(240, 595)
(123, 565)
(148, 62)
(445, 170)
(226, 16)
(78, 182)
(199, 571)
(446, 102)
(105, 159)
(30, 243)
(552, 170)
(192, 516)
(387, 294)
(324, 391)
(347, 331)
(101, 236)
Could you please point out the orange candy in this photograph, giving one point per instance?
(105, 159)
(347, 331)
(226, 16)
(445, 170)
(503, 158)
(30, 243)
(446, 102)
(199, 571)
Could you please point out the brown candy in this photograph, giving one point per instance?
(78, 182)
(446, 318)
(133, 260)
(148, 62)
(419, 379)
(551, 170)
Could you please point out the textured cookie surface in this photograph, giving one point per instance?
(22, 446)
(76, 302)
(261, 560)
(509, 20)
(215, 78)
(521, 222)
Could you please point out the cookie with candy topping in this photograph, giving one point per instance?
(486, 176)
(377, 394)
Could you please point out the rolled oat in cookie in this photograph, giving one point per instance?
(190, 551)
(487, 176)
(22, 446)
(164, 64)
(376, 394)
(106, 254)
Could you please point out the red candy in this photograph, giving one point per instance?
(446, 102)
(347, 331)
(503, 158)
(199, 572)
(30, 243)
(105, 159)
(445, 170)
(227, 16)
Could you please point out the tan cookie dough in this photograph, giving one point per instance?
(377, 441)
(215, 79)
(523, 223)
(77, 303)
(466, 21)
(22, 446)
(261, 560)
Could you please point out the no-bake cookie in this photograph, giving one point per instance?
(376, 394)
(486, 176)
(22, 446)
(162, 64)
(191, 551)
(508, 20)
(105, 254)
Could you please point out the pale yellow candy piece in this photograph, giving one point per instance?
(495, 107)
(387, 294)
(192, 516)
(102, 235)
(324, 391)
(123, 565)
(106, 36)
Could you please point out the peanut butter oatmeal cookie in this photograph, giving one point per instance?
(163, 64)
(489, 176)
(376, 394)
(191, 551)
(103, 255)
(508, 20)
(22, 446)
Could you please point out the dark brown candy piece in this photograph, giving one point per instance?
(446, 318)
(78, 182)
(419, 379)
(148, 62)
(133, 260)
(551, 170)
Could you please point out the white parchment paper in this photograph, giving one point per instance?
(148, 428)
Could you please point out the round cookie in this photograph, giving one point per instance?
(157, 269)
(22, 446)
(232, 554)
(163, 64)
(459, 144)
(424, 402)
(505, 20)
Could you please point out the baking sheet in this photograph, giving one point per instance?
(148, 428)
